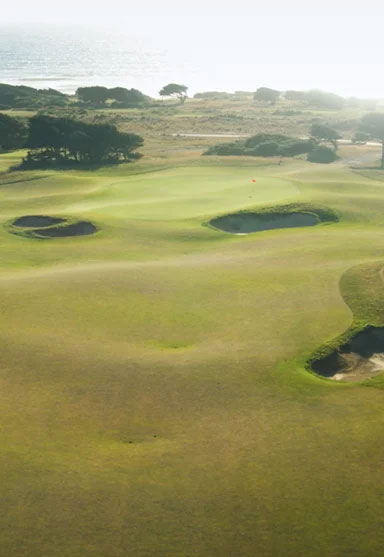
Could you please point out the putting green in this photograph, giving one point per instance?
(153, 391)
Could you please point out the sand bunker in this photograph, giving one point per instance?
(245, 223)
(43, 226)
(360, 358)
(36, 221)
(81, 228)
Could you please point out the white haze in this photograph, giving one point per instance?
(333, 47)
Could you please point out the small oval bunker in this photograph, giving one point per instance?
(36, 221)
(44, 226)
(246, 223)
(361, 357)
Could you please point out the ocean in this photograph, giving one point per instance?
(204, 54)
(66, 57)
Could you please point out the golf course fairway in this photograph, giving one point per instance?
(154, 392)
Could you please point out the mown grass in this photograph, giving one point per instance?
(154, 397)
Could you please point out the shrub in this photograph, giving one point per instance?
(64, 141)
(322, 99)
(266, 94)
(13, 133)
(322, 154)
(264, 145)
(263, 137)
(226, 149)
(361, 137)
(212, 95)
(296, 147)
(265, 149)
(20, 96)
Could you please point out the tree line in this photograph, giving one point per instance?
(371, 126)
(96, 96)
(53, 141)
(20, 96)
(59, 141)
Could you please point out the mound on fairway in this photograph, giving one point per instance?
(37, 221)
(358, 359)
(245, 223)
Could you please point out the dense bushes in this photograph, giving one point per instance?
(264, 145)
(316, 98)
(322, 154)
(98, 96)
(265, 94)
(213, 95)
(66, 142)
(13, 133)
(19, 96)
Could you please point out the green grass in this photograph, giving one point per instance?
(154, 397)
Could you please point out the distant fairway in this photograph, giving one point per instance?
(154, 397)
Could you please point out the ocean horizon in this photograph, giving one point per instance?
(65, 57)
(68, 56)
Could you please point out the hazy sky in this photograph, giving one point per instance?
(114, 10)
(292, 44)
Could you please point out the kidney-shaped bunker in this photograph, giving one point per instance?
(44, 226)
(245, 223)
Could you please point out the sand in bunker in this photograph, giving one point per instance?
(81, 228)
(36, 221)
(358, 359)
(245, 223)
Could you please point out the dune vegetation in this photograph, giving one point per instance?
(155, 392)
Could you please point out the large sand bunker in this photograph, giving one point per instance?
(358, 359)
(44, 226)
(245, 223)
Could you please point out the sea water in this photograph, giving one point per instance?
(66, 57)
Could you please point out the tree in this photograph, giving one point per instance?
(20, 96)
(266, 149)
(322, 132)
(174, 90)
(266, 94)
(293, 95)
(322, 99)
(264, 145)
(56, 141)
(94, 95)
(361, 137)
(322, 154)
(213, 95)
(373, 124)
(13, 133)
(125, 96)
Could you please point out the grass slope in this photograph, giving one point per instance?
(153, 394)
